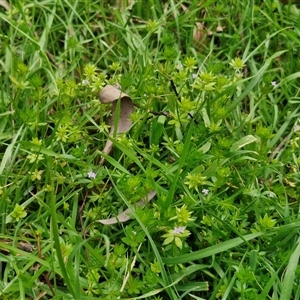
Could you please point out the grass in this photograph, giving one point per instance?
(215, 134)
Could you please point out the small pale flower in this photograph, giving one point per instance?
(36, 141)
(36, 175)
(194, 180)
(296, 128)
(104, 127)
(237, 63)
(274, 83)
(178, 230)
(18, 212)
(34, 157)
(48, 188)
(205, 192)
(179, 66)
(90, 71)
(85, 82)
(62, 134)
(194, 76)
(91, 175)
(134, 232)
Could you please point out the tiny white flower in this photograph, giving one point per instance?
(194, 76)
(274, 83)
(85, 82)
(91, 175)
(296, 128)
(205, 192)
(179, 66)
(178, 230)
(134, 232)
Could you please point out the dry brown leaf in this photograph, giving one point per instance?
(198, 32)
(219, 28)
(5, 4)
(123, 5)
(21, 245)
(111, 94)
(125, 215)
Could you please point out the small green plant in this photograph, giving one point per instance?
(214, 139)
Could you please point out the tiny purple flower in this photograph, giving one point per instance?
(91, 175)
(178, 230)
(205, 192)
(274, 83)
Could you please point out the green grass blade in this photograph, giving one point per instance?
(290, 274)
(212, 250)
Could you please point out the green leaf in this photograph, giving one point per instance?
(45, 151)
(205, 148)
(212, 250)
(114, 163)
(178, 242)
(289, 276)
(243, 142)
(168, 240)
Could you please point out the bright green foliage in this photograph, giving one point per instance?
(18, 212)
(194, 181)
(237, 64)
(175, 235)
(215, 133)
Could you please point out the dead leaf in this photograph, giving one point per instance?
(111, 94)
(219, 28)
(25, 246)
(4, 4)
(198, 32)
(21, 245)
(125, 215)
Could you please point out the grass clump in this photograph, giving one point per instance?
(215, 134)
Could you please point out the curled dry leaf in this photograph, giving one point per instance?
(21, 245)
(219, 28)
(111, 94)
(125, 215)
(25, 246)
(5, 4)
(198, 32)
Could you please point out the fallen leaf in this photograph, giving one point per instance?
(198, 33)
(21, 245)
(219, 28)
(111, 94)
(125, 215)
(25, 246)
(4, 4)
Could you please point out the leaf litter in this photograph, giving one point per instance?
(112, 94)
(126, 214)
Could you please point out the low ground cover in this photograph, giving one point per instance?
(207, 165)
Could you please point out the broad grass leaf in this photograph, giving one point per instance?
(243, 142)
(212, 250)
(290, 274)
